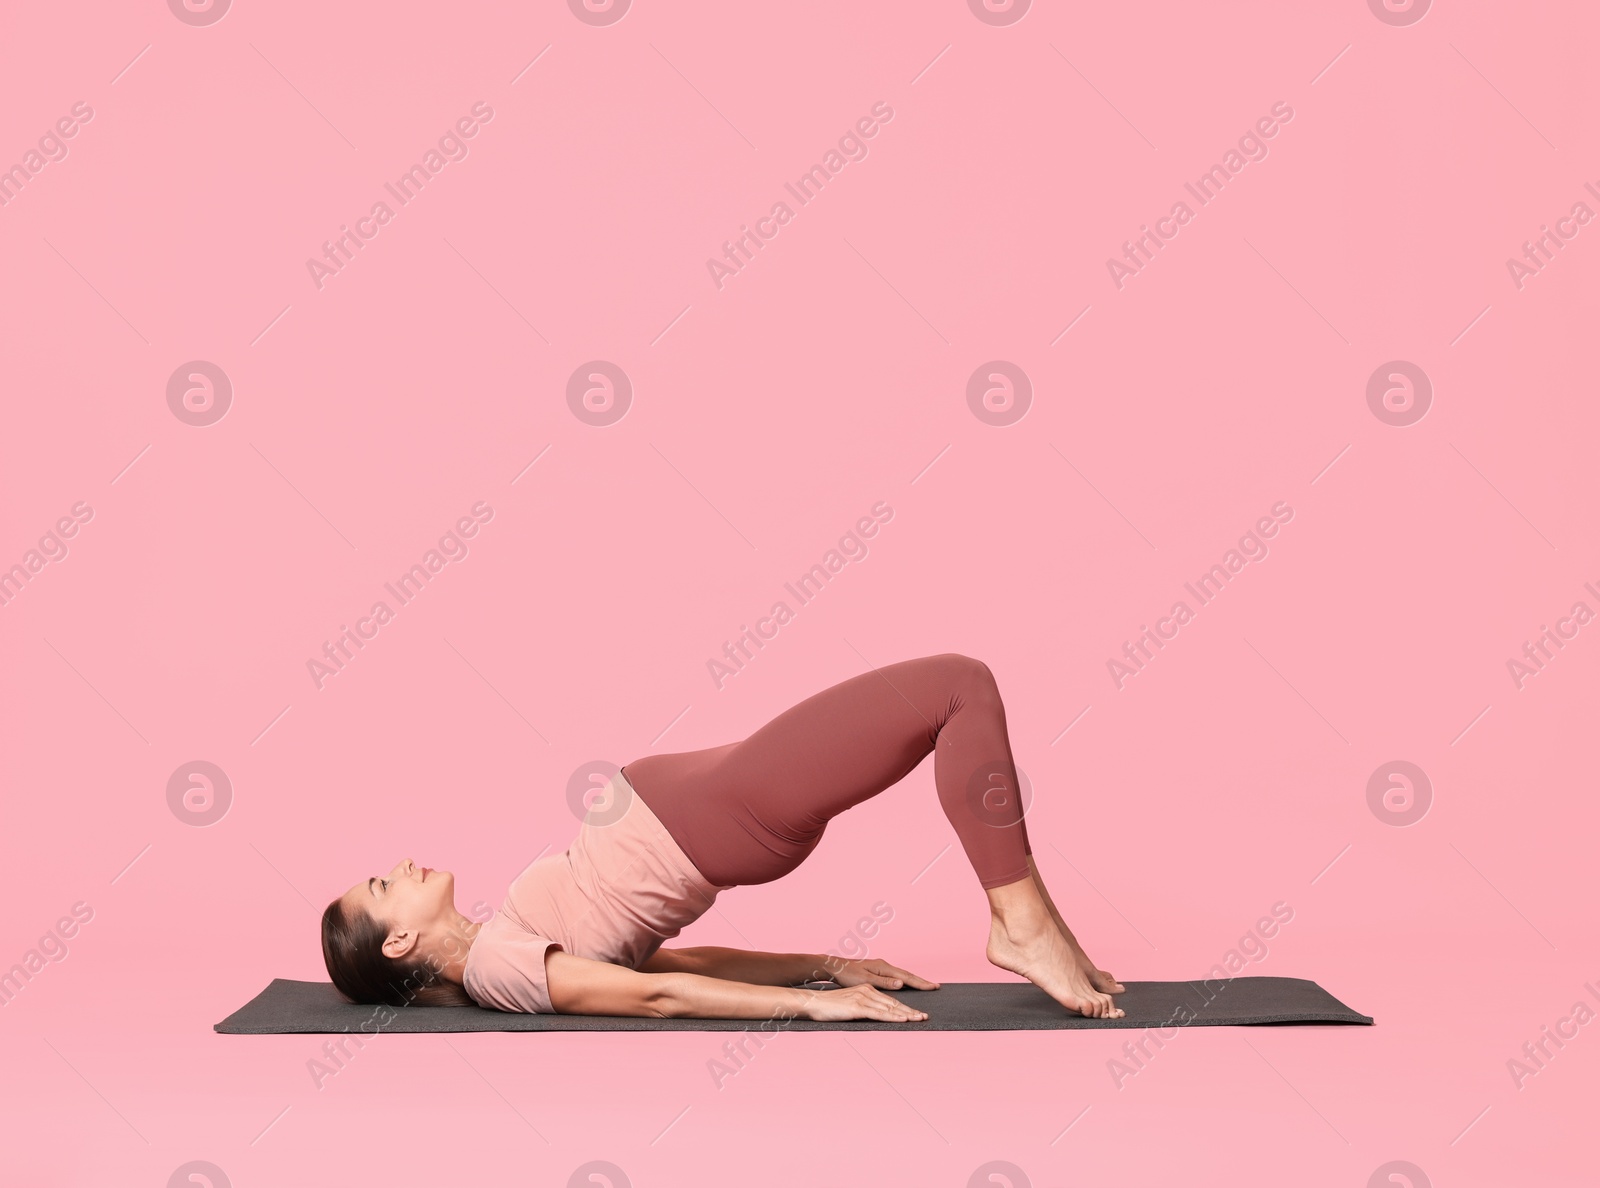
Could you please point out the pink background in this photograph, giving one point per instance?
(766, 418)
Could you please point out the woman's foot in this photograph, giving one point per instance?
(1036, 950)
(1098, 978)
(1101, 980)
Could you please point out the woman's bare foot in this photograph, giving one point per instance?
(1101, 980)
(1098, 978)
(1036, 950)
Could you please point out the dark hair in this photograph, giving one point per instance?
(352, 949)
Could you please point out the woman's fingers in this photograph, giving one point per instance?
(896, 1012)
(884, 1007)
(864, 1002)
(895, 978)
(916, 981)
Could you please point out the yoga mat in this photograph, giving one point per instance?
(288, 1006)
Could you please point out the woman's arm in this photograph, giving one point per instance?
(579, 986)
(783, 969)
(740, 965)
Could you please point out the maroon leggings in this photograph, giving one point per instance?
(749, 812)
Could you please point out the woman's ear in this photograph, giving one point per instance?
(398, 943)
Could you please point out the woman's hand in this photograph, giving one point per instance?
(877, 972)
(857, 1002)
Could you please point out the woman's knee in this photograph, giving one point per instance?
(971, 675)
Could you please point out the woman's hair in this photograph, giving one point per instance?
(352, 948)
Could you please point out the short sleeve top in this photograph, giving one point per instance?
(616, 894)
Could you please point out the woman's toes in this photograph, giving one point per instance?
(1105, 983)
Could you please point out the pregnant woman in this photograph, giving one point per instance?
(581, 931)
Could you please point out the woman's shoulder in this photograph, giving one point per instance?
(505, 967)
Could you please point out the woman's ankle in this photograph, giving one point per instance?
(1018, 911)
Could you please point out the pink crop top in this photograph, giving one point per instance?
(616, 894)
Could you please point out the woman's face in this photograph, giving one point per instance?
(409, 897)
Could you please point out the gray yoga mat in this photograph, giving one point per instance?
(288, 1006)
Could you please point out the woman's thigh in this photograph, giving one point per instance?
(750, 811)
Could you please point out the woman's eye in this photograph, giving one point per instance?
(384, 883)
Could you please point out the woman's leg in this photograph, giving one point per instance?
(751, 811)
(1099, 978)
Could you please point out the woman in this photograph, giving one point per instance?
(580, 932)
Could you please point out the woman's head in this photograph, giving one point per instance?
(398, 939)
